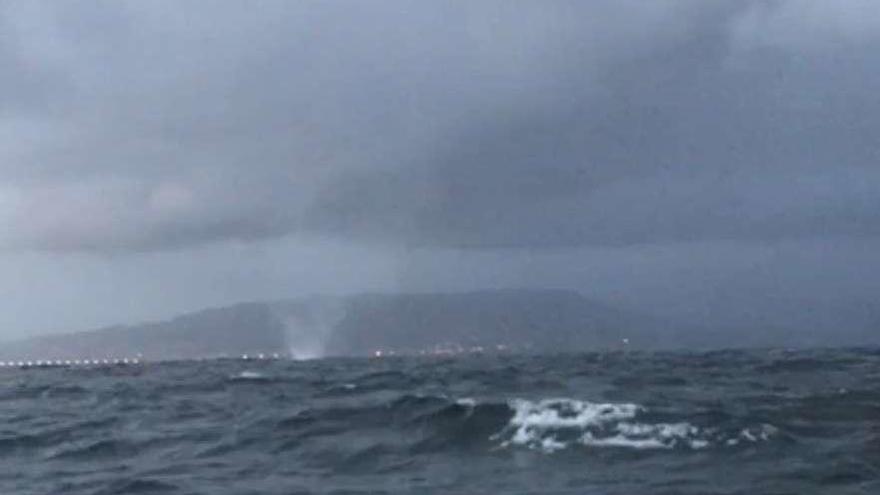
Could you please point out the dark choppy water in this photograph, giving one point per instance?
(725, 422)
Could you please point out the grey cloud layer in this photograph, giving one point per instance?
(149, 125)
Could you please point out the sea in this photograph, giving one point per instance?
(768, 421)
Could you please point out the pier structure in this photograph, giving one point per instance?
(119, 361)
(66, 363)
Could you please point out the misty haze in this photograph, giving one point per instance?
(486, 246)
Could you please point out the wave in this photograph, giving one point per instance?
(437, 422)
(616, 423)
(550, 425)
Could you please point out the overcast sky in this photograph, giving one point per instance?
(712, 160)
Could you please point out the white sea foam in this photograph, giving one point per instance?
(650, 436)
(555, 424)
(567, 413)
(549, 424)
(760, 433)
(623, 441)
(250, 375)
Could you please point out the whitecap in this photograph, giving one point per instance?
(623, 441)
(551, 425)
(761, 433)
(250, 375)
(548, 424)
(652, 436)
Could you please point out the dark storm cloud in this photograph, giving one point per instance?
(140, 126)
(708, 135)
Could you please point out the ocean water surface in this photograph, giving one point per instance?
(728, 422)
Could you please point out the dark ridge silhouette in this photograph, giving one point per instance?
(361, 325)
(520, 320)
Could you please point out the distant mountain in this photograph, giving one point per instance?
(212, 332)
(525, 320)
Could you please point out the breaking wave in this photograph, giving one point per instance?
(555, 424)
